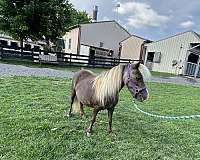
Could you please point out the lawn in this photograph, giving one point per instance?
(31, 107)
(162, 74)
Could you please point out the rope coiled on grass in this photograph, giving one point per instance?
(165, 117)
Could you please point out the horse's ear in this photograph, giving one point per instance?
(136, 65)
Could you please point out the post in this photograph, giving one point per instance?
(1, 53)
(70, 59)
(36, 57)
(94, 62)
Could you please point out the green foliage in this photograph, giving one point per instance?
(33, 125)
(38, 19)
(81, 17)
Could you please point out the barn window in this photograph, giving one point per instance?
(14, 44)
(150, 56)
(27, 46)
(3, 42)
(70, 43)
(36, 48)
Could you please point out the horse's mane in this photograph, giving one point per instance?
(144, 71)
(108, 84)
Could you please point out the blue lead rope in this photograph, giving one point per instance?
(165, 117)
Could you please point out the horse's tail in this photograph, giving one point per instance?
(75, 102)
(76, 105)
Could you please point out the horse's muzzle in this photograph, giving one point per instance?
(142, 95)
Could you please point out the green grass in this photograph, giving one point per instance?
(31, 107)
(162, 74)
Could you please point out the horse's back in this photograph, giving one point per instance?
(82, 75)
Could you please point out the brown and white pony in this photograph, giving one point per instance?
(102, 91)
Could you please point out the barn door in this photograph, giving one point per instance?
(193, 68)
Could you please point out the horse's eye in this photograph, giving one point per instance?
(138, 78)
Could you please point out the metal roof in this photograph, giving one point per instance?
(112, 21)
(196, 34)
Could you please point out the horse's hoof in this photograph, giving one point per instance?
(83, 117)
(88, 134)
(109, 132)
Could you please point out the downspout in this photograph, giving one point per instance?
(120, 50)
(142, 52)
(79, 39)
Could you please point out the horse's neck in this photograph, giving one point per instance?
(122, 81)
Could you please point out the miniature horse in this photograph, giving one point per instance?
(101, 92)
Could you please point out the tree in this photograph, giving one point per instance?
(38, 19)
(11, 21)
(81, 17)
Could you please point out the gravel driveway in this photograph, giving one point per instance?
(18, 70)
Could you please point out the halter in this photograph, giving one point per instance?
(133, 83)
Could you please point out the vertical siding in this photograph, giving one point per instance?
(110, 33)
(131, 48)
(171, 50)
(73, 35)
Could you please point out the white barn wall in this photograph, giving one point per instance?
(74, 36)
(170, 50)
(131, 48)
(110, 33)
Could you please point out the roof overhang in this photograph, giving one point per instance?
(195, 49)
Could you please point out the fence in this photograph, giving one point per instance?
(60, 58)
(192, 69)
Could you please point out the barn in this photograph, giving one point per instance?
(178, 54)
(133, 47)
(100, 38)
(6, 40)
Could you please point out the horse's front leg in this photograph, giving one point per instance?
(95, 111)
(110, 113)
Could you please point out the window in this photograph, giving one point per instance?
(14, 44)
(27, 46)
(150, 56)
(101, 44)
(36, 48)
(70, 43)
(3, 42)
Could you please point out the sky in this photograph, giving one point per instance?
(150, 19)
